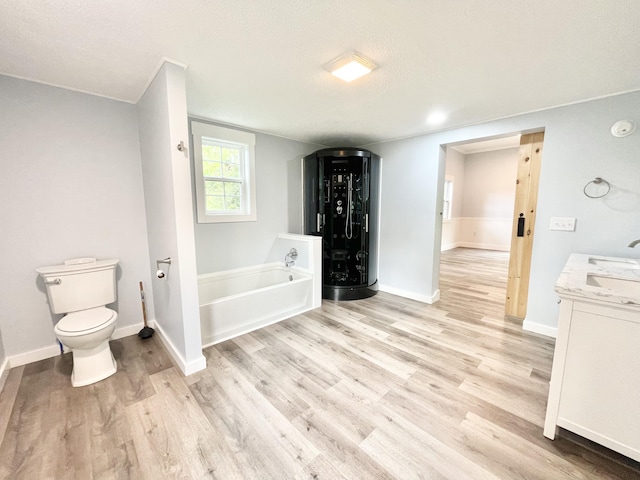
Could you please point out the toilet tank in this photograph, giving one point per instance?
(80, 284)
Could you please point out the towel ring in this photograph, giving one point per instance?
(597, 181)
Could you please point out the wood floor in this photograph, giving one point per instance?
(382, 388)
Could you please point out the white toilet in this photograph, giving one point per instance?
(81, 288)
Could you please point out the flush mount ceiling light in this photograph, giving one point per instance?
(350, 66)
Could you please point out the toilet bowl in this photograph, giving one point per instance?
(87, 334)
(81, 288)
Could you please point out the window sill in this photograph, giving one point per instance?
(226, 218)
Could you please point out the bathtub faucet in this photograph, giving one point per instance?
(290, 258)
(634, 243)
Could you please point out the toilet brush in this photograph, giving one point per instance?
(147, 331)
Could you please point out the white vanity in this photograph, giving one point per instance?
(595, 379)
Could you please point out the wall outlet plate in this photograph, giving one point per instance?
(565, 224)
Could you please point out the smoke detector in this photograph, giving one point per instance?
(623, 128)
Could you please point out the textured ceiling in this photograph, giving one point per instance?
(258, 64)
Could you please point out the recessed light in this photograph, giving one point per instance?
(350, 66)
(436, 118)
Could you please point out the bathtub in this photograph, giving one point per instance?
(238, 301)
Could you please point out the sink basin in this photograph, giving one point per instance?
(622, 286)
(604, 263)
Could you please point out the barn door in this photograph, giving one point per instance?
(524, 214)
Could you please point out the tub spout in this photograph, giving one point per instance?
(634, 243)
(290, 258)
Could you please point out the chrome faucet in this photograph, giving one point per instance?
(290, 258)
(634, 243)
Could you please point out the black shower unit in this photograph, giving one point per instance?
(341, 204)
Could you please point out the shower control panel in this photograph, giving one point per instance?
(339, 179)
(338, 192)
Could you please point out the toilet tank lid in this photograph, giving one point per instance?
(80, 261)
(76, 265)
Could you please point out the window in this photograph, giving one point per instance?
(224, 161)
(448, 197)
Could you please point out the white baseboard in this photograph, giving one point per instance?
(477, 232)
(449, 246)
(54, 349)
(4, 372)
(479, 246)
(34, 355)
(187, 368)
(126, 331)
(435, 297)
(412, 295)
(484, 246)
(539, 328)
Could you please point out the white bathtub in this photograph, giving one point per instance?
(238, 301)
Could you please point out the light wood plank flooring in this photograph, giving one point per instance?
(382, 388)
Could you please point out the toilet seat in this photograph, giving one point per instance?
(85, 322)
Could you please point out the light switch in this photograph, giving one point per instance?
(566, 224)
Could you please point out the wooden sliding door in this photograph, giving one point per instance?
(524, 215)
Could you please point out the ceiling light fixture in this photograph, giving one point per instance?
(350, 66)
(436, 118)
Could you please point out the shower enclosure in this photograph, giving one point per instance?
(341, 204)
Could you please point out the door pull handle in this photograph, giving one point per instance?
(521, 225)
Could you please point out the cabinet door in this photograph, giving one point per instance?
(600, 396)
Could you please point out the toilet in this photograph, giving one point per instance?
(81, 288)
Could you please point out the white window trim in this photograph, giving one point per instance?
(226, 135)
(448, 179)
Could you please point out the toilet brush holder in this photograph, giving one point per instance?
(147, 331)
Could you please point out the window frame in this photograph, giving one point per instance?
(447, 198)
(223, 136)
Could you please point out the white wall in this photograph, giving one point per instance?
(223, 246)
(483, 218)
(490, 184)
(162, 116)
(578, 147)
(70, 186)
(411, 202)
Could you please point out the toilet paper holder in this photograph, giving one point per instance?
(160, 273)
(166, 260)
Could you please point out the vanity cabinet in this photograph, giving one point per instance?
(595, 378)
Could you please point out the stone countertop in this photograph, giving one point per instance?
(573, 281)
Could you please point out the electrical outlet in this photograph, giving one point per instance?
(565, 224)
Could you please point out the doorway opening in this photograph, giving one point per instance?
(489, 197)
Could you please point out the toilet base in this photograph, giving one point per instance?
(92, 365)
